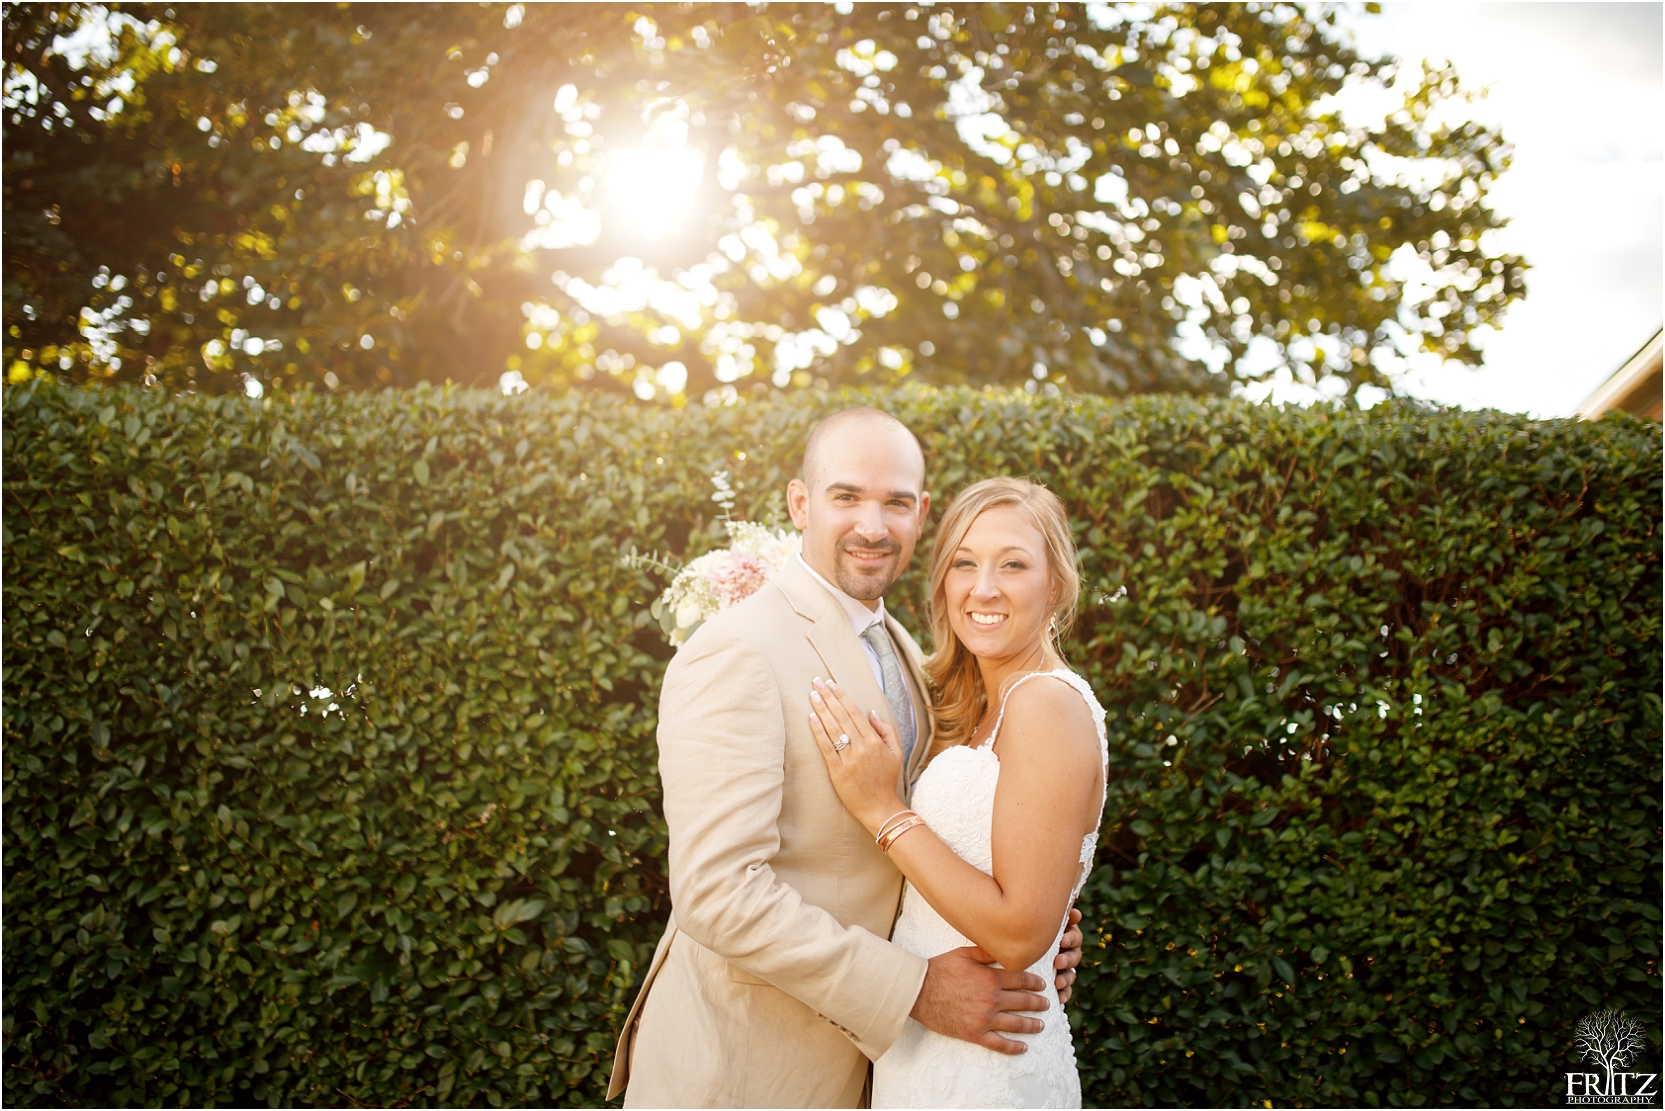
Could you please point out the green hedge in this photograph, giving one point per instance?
(1384, 705)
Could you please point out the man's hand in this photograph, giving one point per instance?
(1069, 955)
(964, 997)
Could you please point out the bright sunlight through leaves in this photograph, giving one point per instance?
(652, 190)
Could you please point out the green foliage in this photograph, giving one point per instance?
(1384, 698)
(1383, 689)
(211, 174)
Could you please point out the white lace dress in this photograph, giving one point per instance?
(955, 796)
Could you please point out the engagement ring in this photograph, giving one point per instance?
(842, 743)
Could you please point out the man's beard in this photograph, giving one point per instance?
(868, 587)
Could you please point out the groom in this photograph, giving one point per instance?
(774, 984)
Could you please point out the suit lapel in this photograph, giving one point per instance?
(833, 639)
(846, 660)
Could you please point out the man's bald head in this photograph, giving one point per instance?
(845, 431)
(861, 501)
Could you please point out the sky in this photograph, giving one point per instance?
(1580, 93)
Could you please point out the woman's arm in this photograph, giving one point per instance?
(1046, 801)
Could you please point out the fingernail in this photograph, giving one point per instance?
(814, 718)
(831, 685)
(817, 680)
(814, 697)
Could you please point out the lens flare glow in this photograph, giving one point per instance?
(651, 190)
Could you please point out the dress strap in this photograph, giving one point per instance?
(1058, 673)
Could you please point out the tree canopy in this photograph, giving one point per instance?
(681, 198)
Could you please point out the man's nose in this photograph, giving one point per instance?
(870, 523)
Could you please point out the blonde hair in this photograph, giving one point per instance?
(961, 700)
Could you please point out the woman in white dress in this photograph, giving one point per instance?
(1005, 817)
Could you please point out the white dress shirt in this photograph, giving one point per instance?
(862, 619)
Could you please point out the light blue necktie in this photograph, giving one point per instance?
(896, 689)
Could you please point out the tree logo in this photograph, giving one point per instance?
(1611, 1040)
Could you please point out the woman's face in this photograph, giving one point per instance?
(999, 585)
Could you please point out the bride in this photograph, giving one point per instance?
(1005, 817)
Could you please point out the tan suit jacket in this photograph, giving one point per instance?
(774, 984)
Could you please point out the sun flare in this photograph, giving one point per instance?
(652, 189)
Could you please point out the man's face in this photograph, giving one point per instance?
(861, 507)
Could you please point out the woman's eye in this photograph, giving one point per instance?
(1014, 565)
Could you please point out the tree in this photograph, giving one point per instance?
(1111, 200)
(1610, 1039)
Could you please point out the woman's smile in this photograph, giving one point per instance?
(998, 586)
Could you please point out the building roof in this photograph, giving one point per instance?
(1634, 387)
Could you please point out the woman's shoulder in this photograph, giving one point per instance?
(1060, 686)
(1051, 705)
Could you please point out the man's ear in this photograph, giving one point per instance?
(797, 503)
(924, 506)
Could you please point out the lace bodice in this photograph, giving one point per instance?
(955, 796)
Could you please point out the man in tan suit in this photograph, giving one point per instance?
(774, 984)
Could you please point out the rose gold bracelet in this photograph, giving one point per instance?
(892, 818)
(886, 824)
(900, 828)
